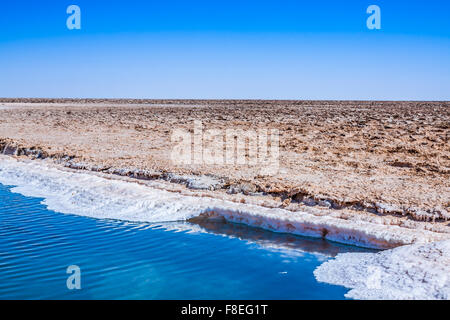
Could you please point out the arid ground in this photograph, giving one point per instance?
(381, 158)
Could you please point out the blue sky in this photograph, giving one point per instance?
(226, 49)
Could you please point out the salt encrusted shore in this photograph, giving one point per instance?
(101, 195)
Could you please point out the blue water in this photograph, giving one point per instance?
(123, 260)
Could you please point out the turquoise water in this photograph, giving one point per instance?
(123, 260)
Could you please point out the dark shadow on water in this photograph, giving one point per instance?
(282, 240)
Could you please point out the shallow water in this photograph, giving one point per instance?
(179, 260)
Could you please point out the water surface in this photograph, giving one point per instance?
(174, 260)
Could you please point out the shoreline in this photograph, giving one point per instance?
(192, 205)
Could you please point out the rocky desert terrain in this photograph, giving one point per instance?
(377, 158)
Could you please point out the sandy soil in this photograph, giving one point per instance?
(373, 157)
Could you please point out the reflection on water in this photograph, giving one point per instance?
(179, 260)
(276, 240)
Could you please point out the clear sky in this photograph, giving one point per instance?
(226, 49)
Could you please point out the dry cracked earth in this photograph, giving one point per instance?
(379, 157)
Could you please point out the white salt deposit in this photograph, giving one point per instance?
(418, 271)
(87, 194)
